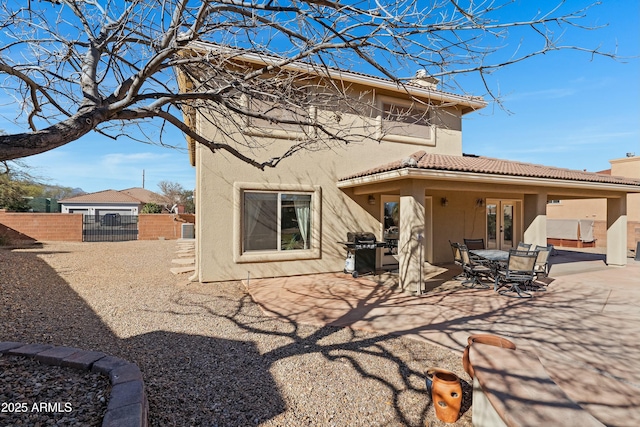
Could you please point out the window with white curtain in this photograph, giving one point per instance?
(276, 221)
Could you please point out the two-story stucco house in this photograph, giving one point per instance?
(407, 179)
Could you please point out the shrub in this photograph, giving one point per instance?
(151, 208)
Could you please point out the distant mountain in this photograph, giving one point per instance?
(58, 192)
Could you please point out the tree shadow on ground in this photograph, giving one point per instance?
(588, 352)
(183, 373)
(208, 354)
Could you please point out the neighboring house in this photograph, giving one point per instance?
(595, 210)
(123, 202)
(43, 205)
(413, 185)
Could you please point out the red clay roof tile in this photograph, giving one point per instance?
(491, 166)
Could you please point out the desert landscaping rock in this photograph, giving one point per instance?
(33, 394)
(207, 354)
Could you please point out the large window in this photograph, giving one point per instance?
(276, 221)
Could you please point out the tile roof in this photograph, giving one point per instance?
(491, 166)
(131, 195)
(338, 73)
(145, 196)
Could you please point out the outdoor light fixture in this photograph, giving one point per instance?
(444, 201)
(372, 199)
(479, 203)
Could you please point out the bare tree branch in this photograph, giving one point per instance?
(77, 66)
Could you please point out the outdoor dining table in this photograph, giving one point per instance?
(495, 257)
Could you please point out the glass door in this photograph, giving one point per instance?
(390, 229)
(501, 224)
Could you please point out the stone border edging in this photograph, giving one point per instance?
(128, 405)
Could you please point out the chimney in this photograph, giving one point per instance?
(424, 80)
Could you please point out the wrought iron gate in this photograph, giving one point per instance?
(111, 227)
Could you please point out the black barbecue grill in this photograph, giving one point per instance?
(361, 253)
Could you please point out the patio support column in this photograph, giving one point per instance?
(535, 219)
(617, 231)
(411, 239)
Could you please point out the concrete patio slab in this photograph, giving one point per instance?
(585, 327)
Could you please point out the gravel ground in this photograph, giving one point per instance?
(209, 356)
(32, 394)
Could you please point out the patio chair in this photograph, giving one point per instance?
(457, 259)
(542, 261)
(472, 244)
(473, 270)
(523, 246)
(518, 275)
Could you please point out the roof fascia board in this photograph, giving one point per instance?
(485, 178)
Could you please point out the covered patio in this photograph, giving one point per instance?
(443, 198)
(585, 328)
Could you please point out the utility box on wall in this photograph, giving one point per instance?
(188, 231)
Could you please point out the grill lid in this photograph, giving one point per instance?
(361, 237)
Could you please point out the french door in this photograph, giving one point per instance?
(390, 229)
(502, 224)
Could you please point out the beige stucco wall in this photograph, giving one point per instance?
(628, 167)
(340, 211)
(220, 174)
(595, 209)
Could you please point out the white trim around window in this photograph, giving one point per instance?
(276, 254)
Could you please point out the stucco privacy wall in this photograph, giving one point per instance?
(45, 226)
(220, 175)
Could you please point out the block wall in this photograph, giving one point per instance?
(600, 233)
(68, 227)
(158, 226)
(44, 226)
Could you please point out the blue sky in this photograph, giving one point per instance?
(565, 109)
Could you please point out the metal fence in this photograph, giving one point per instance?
(109, 228)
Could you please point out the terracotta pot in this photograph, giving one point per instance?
(429, 377)
(487, 339)
(446, 395)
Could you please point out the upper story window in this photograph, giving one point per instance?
(277, 118)
(406, 122)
